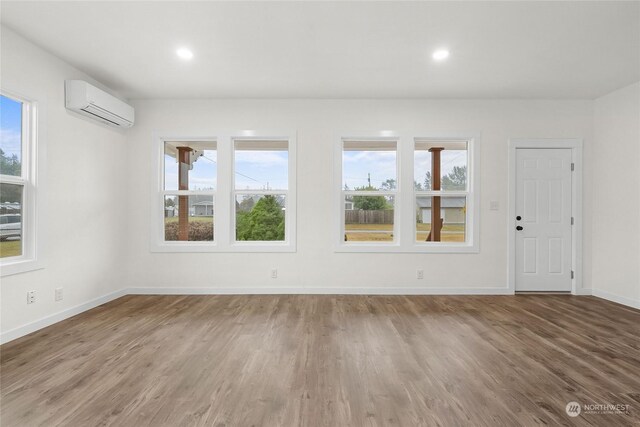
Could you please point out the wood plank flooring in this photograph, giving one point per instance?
(304, 360)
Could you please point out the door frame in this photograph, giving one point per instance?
(575, 144)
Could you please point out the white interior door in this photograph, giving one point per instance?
(543, 219)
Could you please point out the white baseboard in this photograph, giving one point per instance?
(629, 302)
(583, 292)
(57, 317)
(319, 291)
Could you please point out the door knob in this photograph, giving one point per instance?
(518, 217)
(519, 228)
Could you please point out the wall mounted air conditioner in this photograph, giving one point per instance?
(90, 101)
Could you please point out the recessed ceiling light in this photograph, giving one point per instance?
(440, 54)
(184, 54)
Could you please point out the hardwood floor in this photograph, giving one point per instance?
(327, 361)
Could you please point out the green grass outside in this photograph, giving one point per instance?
(10, 248)
(389, 227)
(450, 232)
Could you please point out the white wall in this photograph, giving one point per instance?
(85, 195)
(615, 265)
(315, 265)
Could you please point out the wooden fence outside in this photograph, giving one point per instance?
(368, 217)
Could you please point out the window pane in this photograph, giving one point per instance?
(368, 219)
(198, 172)
(10, 220)
(196, 223)
(369, 166)
(453, 165)
(10, 136)
(453, 213)
(261, 165)
(260, 218)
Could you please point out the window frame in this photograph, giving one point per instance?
(389, 193)
(32, 180)
(224, 195)
(212, 193)
(404, 218)
(288, 230)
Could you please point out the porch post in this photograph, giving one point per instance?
(435, 200)
(183, 201)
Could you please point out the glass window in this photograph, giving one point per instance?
(10, 220)
(10, 136)
(246, 205)
(260, 217)
(453, 217)
(201, 165)
(385, 205)
(369, 186)
(12, 177)
(440, 169)
(369, 165)
(197, 224)
(261, 165)
(261, 183)
(190, 178)
(370, 220)
(453, 161)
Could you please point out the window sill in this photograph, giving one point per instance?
(18, 266)
(245, 247)
(418, 249)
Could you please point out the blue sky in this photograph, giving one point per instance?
(201, 177)
(254, 170)
(10, 126)
(257, 170)
(382, 166)
(357, 165)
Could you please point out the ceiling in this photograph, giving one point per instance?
(549, 50)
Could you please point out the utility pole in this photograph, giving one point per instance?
(369, 178)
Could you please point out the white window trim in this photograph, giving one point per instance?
(404, 218)
(289, 222)
(32, 168)
(224, 215)
(380, 246)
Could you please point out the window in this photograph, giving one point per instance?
(261, 184)
(226, 194)
(190, 175)
(369, 177)
(407, 194)
(17, 185)
(441, 190)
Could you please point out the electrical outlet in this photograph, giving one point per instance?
(58, 294)
(274, 273)
(31, 297)
(419, 274)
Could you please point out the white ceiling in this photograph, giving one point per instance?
(342, 50)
